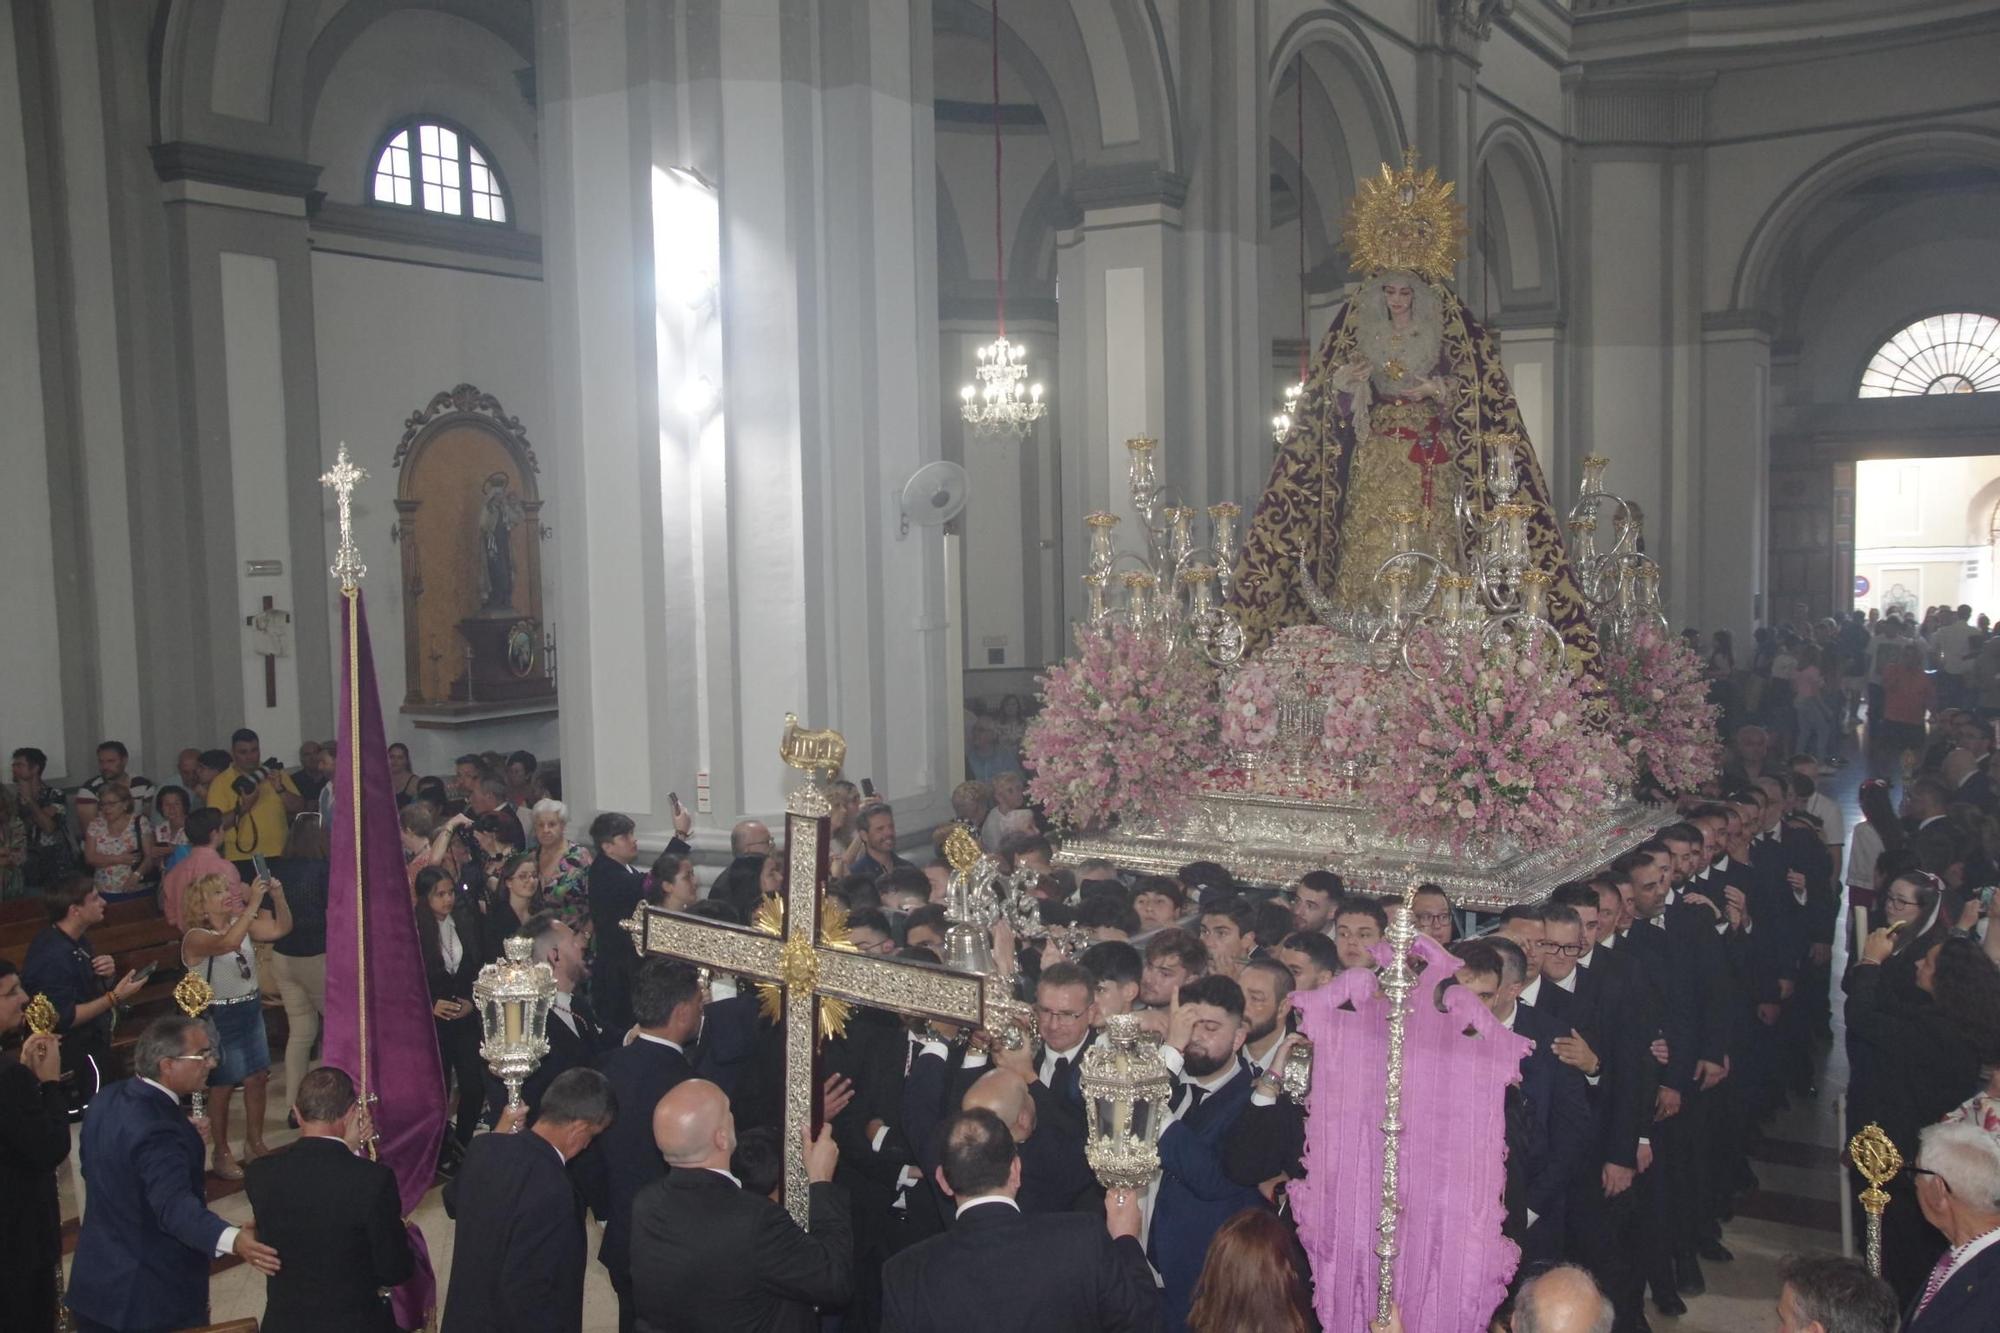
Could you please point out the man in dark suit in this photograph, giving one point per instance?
(666, 1001)
(575, 1039)
(335, 1212)
(35, 1118)
(517, 1260)
(708, 1254)
(1548, 1145)
(1196, 1195)
(1958, 1187)
(995, 1271)
(1827, 1291)
(142, 1257)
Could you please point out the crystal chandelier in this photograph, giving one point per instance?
(1001, 403)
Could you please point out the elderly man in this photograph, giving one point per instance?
(142, 1256)
(750, 837)
(708, 1254)
(1563, 1300)
(1749, 757)
(1958, 1187)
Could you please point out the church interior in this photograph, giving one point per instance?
(648, 321)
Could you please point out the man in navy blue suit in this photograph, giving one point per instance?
(142, 1255)
(1205, 1032)
(1958, 1187)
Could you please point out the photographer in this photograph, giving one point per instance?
(257, 802)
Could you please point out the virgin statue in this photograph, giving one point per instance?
(499, 514)
(1396, 419)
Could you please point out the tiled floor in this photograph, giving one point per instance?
(1798, 1207)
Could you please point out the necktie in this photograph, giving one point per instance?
(1938, 1275)
(1059, 1072)
(1196, 1095)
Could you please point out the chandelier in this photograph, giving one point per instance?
(1001, 403)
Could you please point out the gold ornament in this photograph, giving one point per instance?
(961, 849)
(1875, 1156)
(820, 753)
(193, 995)
(41, 1016)
(1405, 220)
(798, 965)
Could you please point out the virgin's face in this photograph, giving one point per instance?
(1399, 295)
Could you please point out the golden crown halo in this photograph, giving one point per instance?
(1404, 220)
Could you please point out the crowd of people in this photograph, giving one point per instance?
(1675, 1000)
(1811, 683)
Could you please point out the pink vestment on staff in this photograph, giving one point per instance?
(1452, 1263)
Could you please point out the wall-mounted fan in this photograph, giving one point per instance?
(933, 496)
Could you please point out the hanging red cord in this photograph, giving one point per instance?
(999, 248)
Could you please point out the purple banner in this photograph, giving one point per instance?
(378, 1006)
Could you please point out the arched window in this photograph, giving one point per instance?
(1941, 354)
(441, 170)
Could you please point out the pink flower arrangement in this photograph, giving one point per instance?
(1661, 712)
(1352, 730)
(1126, 725)
(1496, 748)
(1250, 708)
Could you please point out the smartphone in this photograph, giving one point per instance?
(146, 973)
(258, 863)
(1986, 896)
(868, 787)
(674, 798)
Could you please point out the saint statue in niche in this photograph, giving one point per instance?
(499, 514)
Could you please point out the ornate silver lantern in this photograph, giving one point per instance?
(1126, 1089)
(514, 999)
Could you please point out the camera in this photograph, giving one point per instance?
(243, 786)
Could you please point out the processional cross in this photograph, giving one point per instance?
(798, 961)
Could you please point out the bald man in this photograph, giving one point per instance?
(708, 1254)
(1055, 1178)
(1563, 1300)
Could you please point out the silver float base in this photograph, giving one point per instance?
(1274, 839)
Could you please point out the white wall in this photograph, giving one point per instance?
(389, 336)
(31, 705)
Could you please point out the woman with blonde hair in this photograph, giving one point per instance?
(1252, 1278)
(218, 949)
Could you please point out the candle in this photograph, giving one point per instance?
(512, 1026)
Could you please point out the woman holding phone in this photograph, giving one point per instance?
(218, 949)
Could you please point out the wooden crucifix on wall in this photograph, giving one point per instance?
(267, 634)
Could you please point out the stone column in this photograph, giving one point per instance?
(1120, 271)
(1731, 536)
(738, 559)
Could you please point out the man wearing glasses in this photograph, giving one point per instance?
(143, 1252)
